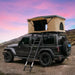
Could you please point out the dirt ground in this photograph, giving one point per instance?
(16, 67)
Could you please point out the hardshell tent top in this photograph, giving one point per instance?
(40, 24)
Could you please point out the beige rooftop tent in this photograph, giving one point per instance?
(40, 24)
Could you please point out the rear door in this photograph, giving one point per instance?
(50, 42)
(61, 40)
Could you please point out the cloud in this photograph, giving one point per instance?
(26, 8)
(13, 32)
(65, 10)
(70, 24)
(14, 14)
(12, 27)
(44, 5)
(8, 17)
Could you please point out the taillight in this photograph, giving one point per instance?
(58, 49)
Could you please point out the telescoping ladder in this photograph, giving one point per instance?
(30, 54)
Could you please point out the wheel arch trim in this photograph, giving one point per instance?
(46, 49)
(10, 49)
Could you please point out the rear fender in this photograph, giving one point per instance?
(46, 50)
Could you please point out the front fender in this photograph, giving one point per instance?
(10, 49)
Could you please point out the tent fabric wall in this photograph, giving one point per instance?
(53, 25)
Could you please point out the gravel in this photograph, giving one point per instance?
(16, 67)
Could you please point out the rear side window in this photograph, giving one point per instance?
(48, 40)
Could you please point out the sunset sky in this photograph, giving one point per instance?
(14, 15)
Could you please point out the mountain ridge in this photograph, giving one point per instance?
(70, 36)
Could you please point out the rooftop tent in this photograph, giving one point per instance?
(46, 24)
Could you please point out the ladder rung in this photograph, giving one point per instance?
(32, 57)
(36, 41)
(30, 60)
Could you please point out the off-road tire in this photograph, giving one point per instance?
(45, 59)
(8, 57)
(66, 50)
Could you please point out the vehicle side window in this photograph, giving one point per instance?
(24, 41)
(48, 40)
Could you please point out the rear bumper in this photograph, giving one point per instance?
(59, 57)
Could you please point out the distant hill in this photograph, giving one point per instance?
(13, 41)
(70, 36)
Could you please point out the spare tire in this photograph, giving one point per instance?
(66, 48)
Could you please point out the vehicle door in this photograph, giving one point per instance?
(23, 47)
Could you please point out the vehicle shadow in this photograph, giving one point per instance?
(37, 63)
(23, 62)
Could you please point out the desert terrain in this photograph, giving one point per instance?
(16, 67)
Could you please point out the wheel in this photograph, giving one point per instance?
(8, 56)
(66, 49)
(60, 61)
(45, 59)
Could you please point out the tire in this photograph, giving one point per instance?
(60, 61)
(45, 59)
(66, 50)
(8, 56)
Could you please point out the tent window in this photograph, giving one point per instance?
(46, 27)
(61, 26)
(40, 25)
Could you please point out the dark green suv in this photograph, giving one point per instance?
(54, 47)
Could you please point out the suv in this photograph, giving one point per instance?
(54, 47)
